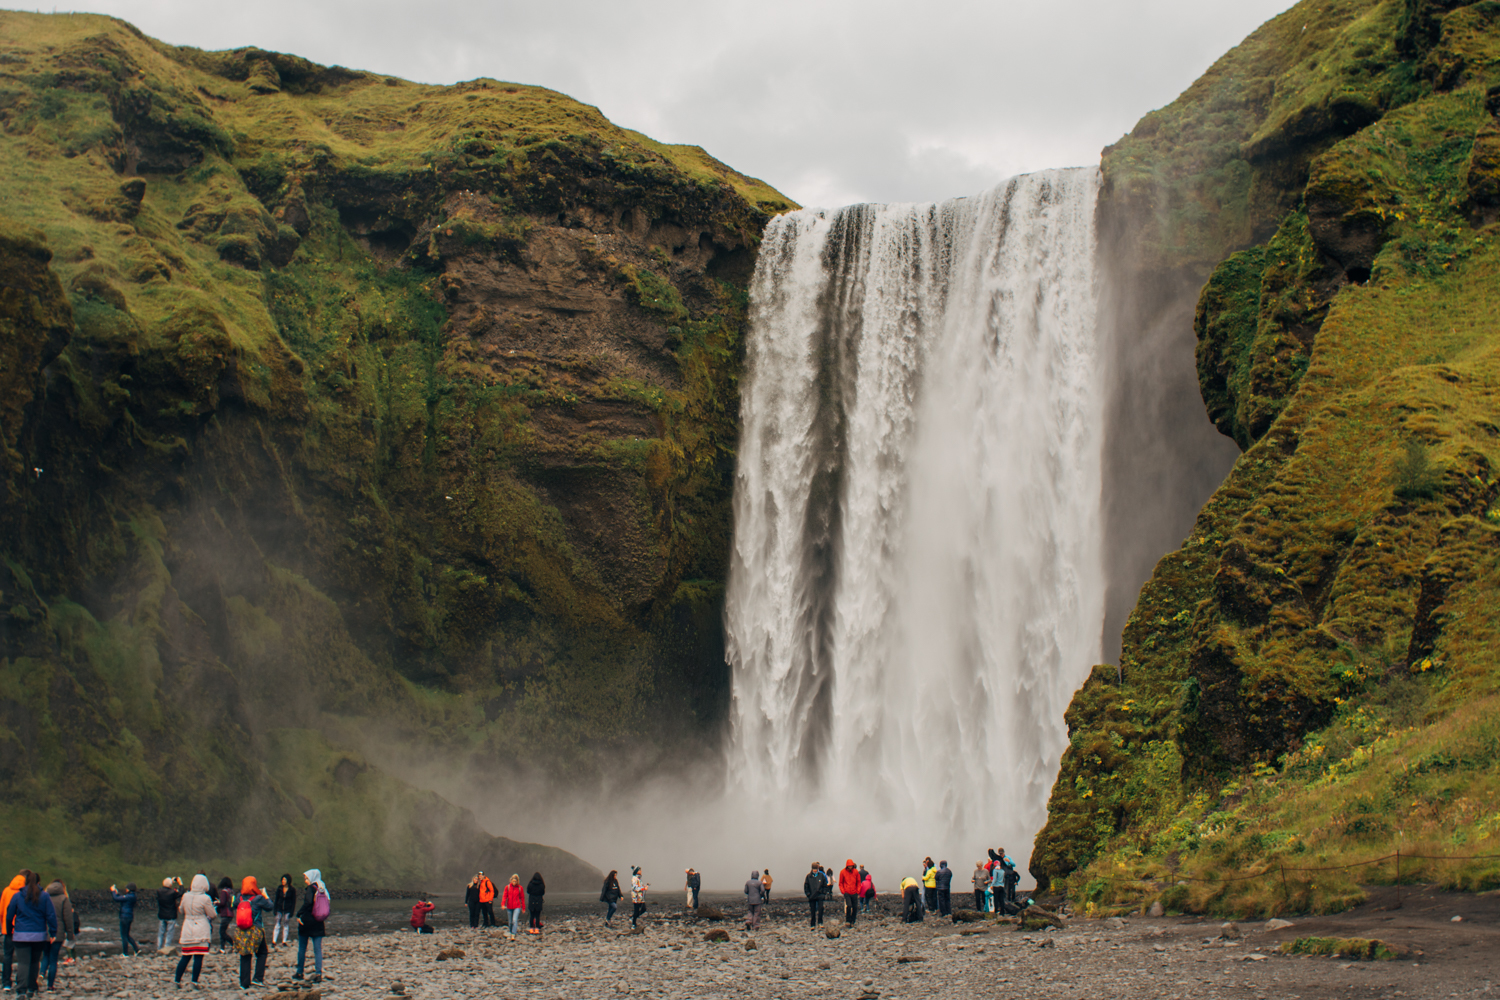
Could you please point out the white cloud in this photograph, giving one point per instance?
(887, 100)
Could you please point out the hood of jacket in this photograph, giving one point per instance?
(315, 876)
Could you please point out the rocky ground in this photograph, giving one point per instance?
(1136, 958)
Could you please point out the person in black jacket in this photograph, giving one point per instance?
(611, 895)
(813, 888)
(694, 884)
(284, 905)
(471, 900)
(944, 889)
(309, 928)
(126, 900)
(167, 898)
(535, 890)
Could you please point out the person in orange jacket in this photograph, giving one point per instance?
(16, 885)
(486, 899)
(849, 887)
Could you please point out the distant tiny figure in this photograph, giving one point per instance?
(981, 886)
(866, 890)
(638, 890)
(693, 884)
(535, 890)
(224, 907)
(610, 895)
(929, 884)
(765, 886)
(513, 901)
(753, 897)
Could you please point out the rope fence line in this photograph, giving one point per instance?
(1282, 870)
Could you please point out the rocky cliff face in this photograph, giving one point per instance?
(1310, 675)
(350, 418)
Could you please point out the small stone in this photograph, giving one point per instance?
(717, 934)
(833, 932)
(1229, 932)
(905, 960)
(1157, 910)
(448, 953)
(1456, 919)
(751, 945)
(1048, 943)
(1116, 924)
(1277, 924)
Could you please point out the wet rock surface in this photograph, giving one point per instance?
(878, 957)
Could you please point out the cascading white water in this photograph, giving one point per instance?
(916, 587)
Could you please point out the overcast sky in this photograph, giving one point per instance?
(830, 101)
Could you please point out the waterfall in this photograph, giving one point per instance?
(916, 584)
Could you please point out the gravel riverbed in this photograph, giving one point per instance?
(878, 957)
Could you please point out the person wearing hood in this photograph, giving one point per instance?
(535, 890)
(944, 879)
(167, 898)
(249, 909)
(196, 910)
(32, 921)
(419, 912)
(866, 889)
(812, 887)
(929, 884)
(309, 925)
(849, 888)
(513, 901)
(126, 900)
(224, 905)
(638, 889)
(285, 903)
(67, 923)
(754, 894)
(610, 895)
(16, 885)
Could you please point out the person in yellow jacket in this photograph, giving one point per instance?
(929, 883)
(911, 901)
(16, 885)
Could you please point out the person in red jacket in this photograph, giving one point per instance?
(849, 886)
(513, 901)
(419, 913)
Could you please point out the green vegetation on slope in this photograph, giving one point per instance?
(1309, 681)
(377, 416)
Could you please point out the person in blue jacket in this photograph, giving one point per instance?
(126, 900)
(32, 920)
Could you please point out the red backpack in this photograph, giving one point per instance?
(244, 914)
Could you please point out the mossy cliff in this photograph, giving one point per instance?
(1310, 680)
(345, 419)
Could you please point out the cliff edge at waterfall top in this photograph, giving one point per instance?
(1310, 681)
(360, 437)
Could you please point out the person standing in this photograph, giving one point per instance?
(419, 912)
(126, 900)
(944, 880)
(167, 898)
(471, 900)
(849, 889)
(765, 887)
(196, 910)
(929, 884)
(249, 934)
(812, 887)
(536, 890)
(997, 887)
(285, 908)
(32, 921)
(513, 901)
(16, 885)
(610, 894)
(753, 890)
(981, 884)
(693, 884)
(316, 904)
(486, 900)
(866, 890)
(67, 924)
(638, 890)
(224, 905)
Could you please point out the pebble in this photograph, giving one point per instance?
(670, 960)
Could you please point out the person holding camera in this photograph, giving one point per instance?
(167, 898)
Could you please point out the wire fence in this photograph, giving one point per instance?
(1283, 870)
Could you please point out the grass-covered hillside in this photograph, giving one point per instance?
(1311, 680)
(348, 422)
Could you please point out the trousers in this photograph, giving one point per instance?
(815, 911)
(851, 907)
